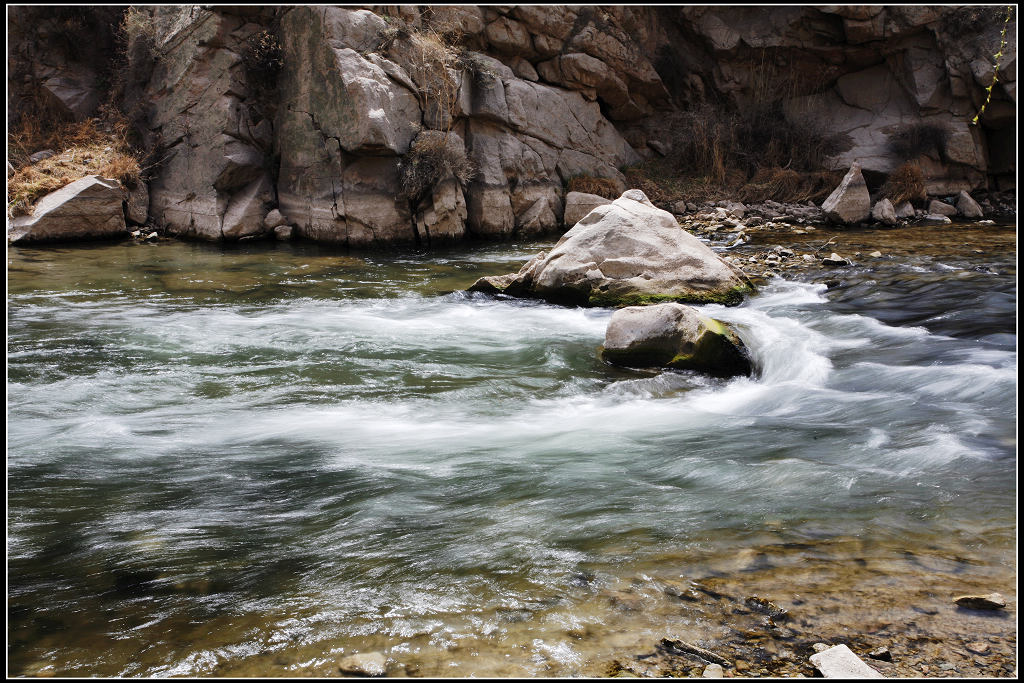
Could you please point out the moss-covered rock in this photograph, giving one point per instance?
(674, 336)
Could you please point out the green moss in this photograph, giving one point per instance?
(730, 297)
(718, 352)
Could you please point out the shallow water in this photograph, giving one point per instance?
(255, 461)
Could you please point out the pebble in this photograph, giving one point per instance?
(820, 647)
(364, 664)
(977, 647)
(807, 257)
(990, 601)
(713, 671)
(841, 662)
(740, 665)
(881, 653)
(834, 259)
(875, 254)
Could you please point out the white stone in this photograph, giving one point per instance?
(841, 662)
(713, 671)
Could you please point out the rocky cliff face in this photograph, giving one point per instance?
(358, 103)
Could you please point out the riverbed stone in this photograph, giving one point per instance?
(675, 336)
(626, 253)
(841, 662)
(941, 208)
(89, 208)
(713, 671)
(905, 210)
(835, 259)
(935, 218)
(370, 664)
(850, 202)
(967, 207)
(991, 601)
(884, 212)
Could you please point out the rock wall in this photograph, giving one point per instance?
(530, 96)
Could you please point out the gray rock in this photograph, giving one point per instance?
(941, 208)
(905, 210)
(284, 232)
(989, 602)
(626, 253)
(579, 204)
(370, 664)
(713, 671)
(850, 202)
(841, 662)
(273, 219)
(935, 218)
(89, 208)
(40, 155)
(675, 336)
(137, 210)
(967, 207)
(883, 212)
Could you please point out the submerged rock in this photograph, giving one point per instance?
(89, 208)
(850, 202)
(841, 662)
(364, 664)
(990, 601)
(625, 253)
(674, 336)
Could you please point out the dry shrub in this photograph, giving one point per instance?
(433, 156)
(905, 184)
(603, 187)
(787, 185)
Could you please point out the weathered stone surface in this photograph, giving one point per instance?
(988, 602)
(625, 253)
(841, 662)
(674, 336)
(273, 219)
(579, 204)
(371, 664)
(284, 232)
(850, 202)
(137, 209)
(941, 208)
(883, 212)
(967, 207)
(89, 208)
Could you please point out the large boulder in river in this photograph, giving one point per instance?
(628, 252)
(850, 202)
(674, 336)
(89, 208)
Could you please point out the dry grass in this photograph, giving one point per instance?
(905, 184)
(603, 187)
(92, 147)
(432, 158)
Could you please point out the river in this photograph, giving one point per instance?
(254, 461)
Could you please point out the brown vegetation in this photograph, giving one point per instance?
(905, 184)
(96, 146)
(433, 157)
(603, 187)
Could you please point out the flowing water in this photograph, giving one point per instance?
(257, 461)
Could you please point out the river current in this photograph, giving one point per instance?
(259, 460)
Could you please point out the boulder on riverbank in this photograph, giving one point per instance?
(625, 253)
(850, 202)
(89, 208)
(674, 336)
